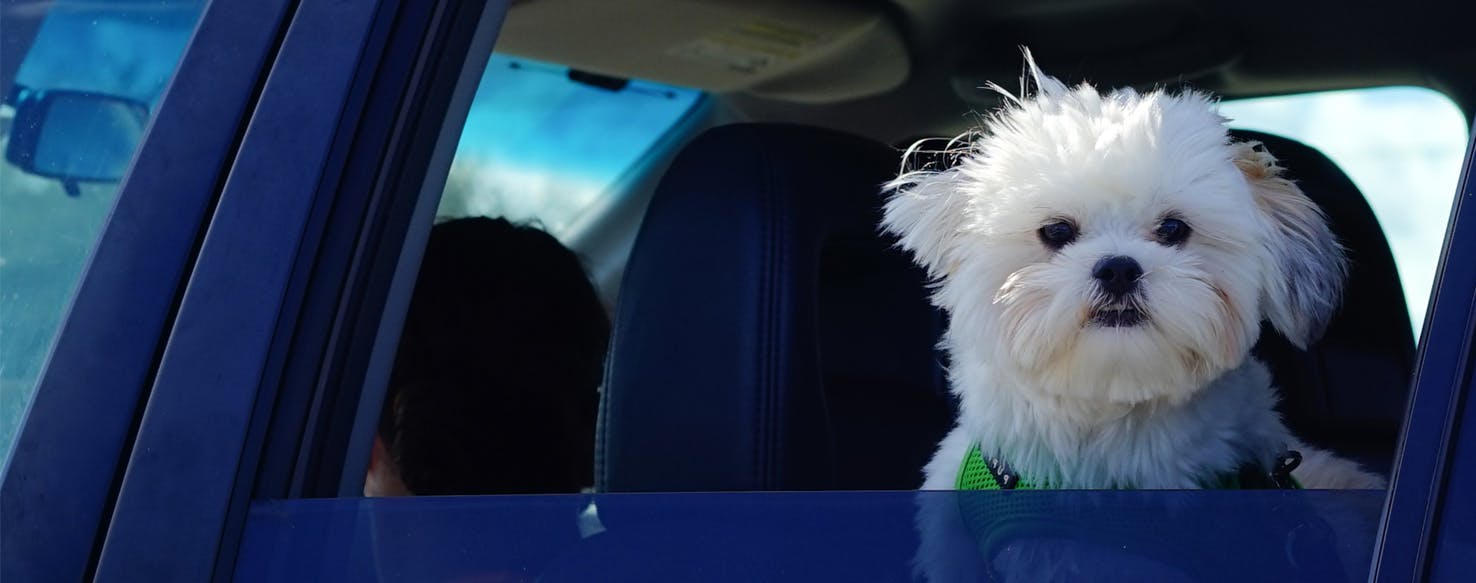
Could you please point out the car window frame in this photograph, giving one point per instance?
(1417, 506)
(68, 453)
(1418, 516)
(347, 133)
(1419, 488)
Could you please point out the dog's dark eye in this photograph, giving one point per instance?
(1058, 234)
(1172, 231)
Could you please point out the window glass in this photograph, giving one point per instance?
(541, 147)
(495, 386)
(75, 106)
(1402, 146)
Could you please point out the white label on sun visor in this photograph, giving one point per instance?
(750, 48)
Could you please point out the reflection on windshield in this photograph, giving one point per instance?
(126, 50)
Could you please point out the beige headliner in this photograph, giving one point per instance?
(805, 52)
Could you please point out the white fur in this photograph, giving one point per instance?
(1173, 402)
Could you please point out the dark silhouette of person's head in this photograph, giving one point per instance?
(495, 385)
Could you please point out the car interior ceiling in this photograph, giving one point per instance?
(888, 70)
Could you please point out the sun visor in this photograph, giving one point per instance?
(807, 52)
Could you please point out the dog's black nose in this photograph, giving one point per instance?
(1118, 275)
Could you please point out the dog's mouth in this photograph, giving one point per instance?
(1117, 317)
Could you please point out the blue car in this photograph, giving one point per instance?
(213, 214)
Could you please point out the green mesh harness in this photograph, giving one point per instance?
(980, 473)
(1000, 522)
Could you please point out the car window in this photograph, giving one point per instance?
(1402, 146)
(546, 145)
(75, 108)
(496, 377)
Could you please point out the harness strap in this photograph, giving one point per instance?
(980, 473)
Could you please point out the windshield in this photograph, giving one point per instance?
(541, 147)
(80, 65)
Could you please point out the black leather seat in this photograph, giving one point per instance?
(767, 338)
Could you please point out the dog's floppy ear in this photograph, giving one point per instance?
(1303, 286)
(925, 210)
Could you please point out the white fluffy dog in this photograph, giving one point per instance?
(1106, 259)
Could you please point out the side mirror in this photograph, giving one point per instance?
(75, 136)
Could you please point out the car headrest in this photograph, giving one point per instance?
(1347, 392)
(767, 336)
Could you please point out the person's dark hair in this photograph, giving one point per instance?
(495, 385)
